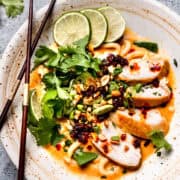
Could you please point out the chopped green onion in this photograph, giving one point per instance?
(117, 71)
(115, 138)
(71, 116)
(80, 107)
(97, 129)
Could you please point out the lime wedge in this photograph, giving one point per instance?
(71, 27)
(35, 106)
(116, 23)
(98, 25)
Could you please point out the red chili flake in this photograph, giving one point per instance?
(144, 112)
(136, 143)
(123, 137)
(97, 139)
(131, 50)
(105, 148)
(89, 147)
(155, 67)
(135, 67)
(58, 147)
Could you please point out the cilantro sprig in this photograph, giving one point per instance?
(46, 132)
(12, 7)
(72, 58)
(83, 158)
(157, 138)
(71, 62)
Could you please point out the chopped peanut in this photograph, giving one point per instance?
(106, 123)
(115, 93)
(102, 138)
(88, 100)
(104, 80)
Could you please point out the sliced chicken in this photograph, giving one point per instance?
(144, 71)
(125, 151)
(140, 122)
(151, 96)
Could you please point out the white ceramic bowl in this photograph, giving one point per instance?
(148, 18)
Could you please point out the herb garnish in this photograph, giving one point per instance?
(147, 45)
(46, 132)
(72, 58)
(115, 138)
(83, 158)
(157, 138)
(13, 8)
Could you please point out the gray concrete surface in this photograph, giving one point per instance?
(8, 27)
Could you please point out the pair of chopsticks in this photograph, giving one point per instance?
(21, 73)
(25, 70)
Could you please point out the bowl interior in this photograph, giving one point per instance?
(149, 19)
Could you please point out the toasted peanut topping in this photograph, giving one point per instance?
(102, 138)
(77, 88)
(106, 123)
(87, 100)
(89, 109)
(77, 99)
(96, 94)
(115, 93)
(104, 80)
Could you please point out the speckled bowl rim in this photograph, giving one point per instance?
(17, 42)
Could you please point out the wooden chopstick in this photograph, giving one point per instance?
(21, 73)
(26, 96)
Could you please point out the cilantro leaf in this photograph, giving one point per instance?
(45, 131)
(43, 54)
(83, 158)
(50, 94)
(48, 103)
(13, 8)
(82, 43)
(72, 58)
(62, 93)
(49, 80)
(151, 46)
(76, 60)
(56, 137)
(157, 138)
